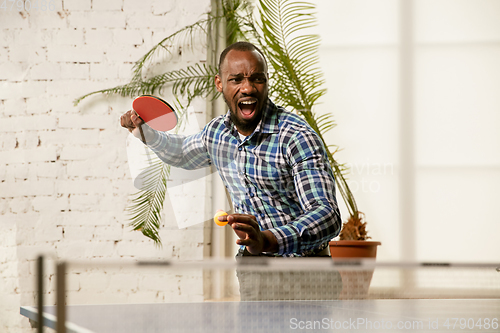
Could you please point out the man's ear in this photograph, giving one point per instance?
(218, 83)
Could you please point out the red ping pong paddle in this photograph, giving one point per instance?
(155, 112)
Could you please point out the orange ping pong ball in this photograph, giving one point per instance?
(216, 218)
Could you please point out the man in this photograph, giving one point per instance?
(272, 163)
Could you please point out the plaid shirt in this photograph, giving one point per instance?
(280, 174)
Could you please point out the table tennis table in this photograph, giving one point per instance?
(408, 315)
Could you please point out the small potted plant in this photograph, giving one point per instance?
(352, 241)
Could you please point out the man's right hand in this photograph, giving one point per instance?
(131, 121)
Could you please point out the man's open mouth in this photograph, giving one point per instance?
(247, 107)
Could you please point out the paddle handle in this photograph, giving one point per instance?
(142, 134)
(143, 138)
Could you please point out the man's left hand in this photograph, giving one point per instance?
(248, 231)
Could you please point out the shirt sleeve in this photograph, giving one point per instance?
(315, 187)
(186, 152)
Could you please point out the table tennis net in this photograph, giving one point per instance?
(273, 279)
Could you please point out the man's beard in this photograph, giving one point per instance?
(240, 125)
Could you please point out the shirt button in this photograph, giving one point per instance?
(239, 148)
(262, 215)
(251, 194)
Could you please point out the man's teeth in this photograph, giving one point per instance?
(248, 102)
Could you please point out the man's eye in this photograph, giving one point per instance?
(236, 80)
(260, 80)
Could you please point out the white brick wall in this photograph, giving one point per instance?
(64, 177)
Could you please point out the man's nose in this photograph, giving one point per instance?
(247, 86)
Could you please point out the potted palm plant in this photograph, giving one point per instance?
(353, 241)
(296, 83)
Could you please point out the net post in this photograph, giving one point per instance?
(39, 281)
(61, 295)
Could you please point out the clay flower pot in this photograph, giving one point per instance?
(353, 249)
(355, 283)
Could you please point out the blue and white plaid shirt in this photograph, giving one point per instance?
(280, 174)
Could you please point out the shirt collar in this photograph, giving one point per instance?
(267, 124)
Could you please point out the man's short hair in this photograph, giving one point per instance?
(239, 46)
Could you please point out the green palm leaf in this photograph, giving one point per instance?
(193, 81)
(231, 15)
(147, 204)
(238, 16)
(190, 82)
(185, 37)
(296, 78)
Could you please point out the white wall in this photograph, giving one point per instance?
(456, 117)
(64, 178)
